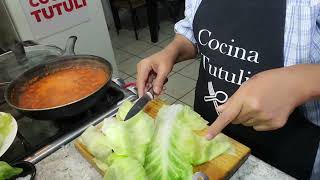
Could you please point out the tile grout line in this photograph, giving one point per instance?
(158, 44)
(124, 73)
(186, 76)
(123, 60)
(120, 45)
(151, 54)
(186, 94)
(155, 44)
(130, 58)
(184, 68)
(133, 77)
(194, 60)
(180, 102)
(129, 77)
(134, 54)
(167, 34)
(121, 48)
(148, 42)
(124, 51)
(170, 96)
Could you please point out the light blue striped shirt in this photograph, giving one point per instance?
(301, 45)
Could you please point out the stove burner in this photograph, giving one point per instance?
(34, 135)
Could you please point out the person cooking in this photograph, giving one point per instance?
(259, 76)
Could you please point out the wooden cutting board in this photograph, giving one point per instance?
(222, 167)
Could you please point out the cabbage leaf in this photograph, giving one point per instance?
(164, 149)
(96, 142)
(6, 171)
(123, 110)
(5, 126)
(175, 147)
(194, 147)
(125, 168)
(129, 138)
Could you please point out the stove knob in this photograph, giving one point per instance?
(120, 82)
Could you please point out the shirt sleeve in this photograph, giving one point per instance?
(185, 26)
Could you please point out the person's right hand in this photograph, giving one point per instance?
(159, 64)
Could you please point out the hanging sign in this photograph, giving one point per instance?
(47, 17)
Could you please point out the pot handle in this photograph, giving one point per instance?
(19, 52)
(30, 43)
(69, 49)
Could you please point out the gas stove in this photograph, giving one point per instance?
(36, 139)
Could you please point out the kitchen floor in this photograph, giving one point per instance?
(128, 52)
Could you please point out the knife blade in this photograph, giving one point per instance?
(141, 102)
(139, 105)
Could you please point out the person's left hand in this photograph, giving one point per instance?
(264, 102)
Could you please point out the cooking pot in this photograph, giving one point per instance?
(67, 60)
(24, 55)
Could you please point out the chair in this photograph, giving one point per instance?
(175, 8)
(132, 5)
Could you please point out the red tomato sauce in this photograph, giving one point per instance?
(62, 87)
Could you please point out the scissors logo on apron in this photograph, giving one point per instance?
(213, 96)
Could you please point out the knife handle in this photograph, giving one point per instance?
(151, 88)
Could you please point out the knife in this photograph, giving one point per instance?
(141, 102)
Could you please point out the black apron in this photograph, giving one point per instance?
(238, 39)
